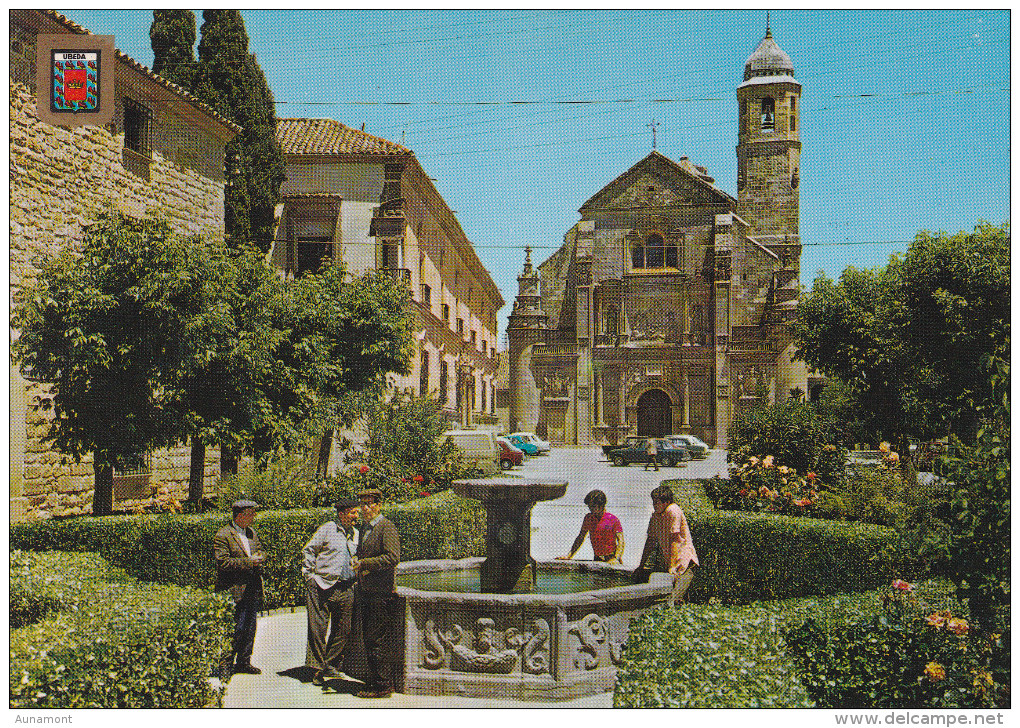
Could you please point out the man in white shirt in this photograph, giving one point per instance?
(328, 570)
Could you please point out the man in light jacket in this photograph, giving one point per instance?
(328, 570)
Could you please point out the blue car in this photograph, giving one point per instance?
(521, 444)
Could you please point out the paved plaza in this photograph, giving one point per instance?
(280, 642)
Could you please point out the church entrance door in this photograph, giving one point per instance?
(654, 414)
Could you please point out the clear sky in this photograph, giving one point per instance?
(904, 115)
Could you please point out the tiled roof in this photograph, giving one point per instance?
(75, 28)
(326, 136)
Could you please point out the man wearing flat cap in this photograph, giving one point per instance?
(375, 566)
(239, 558)
(328, 570)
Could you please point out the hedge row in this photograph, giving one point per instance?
(714, 656)
(105, 640)
(177, 549)
(747, 556)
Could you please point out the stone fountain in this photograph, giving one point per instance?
(507, 626)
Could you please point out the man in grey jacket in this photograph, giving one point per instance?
(328, 570)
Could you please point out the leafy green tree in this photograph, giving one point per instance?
(172, 34)
(229, 79)
(979, 511)
(110, 329)
(906, 339)
(346, 335)
(228, 388)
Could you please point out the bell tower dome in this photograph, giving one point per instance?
(768, 148)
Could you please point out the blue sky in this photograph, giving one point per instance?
(904, 114)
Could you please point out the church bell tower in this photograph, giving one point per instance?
(768, 149)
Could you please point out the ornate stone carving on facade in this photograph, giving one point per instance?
(479, 650)
(555, 385)
(591, 632)
(646, 325)
(751, 383)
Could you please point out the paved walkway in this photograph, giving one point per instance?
(280, 641)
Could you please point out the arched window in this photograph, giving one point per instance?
(793, 113)
(423, 375)
(654, 253)
(611, 327)
(768, 113)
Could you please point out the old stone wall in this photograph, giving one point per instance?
(59, 180)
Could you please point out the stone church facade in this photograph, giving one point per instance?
(666, 310)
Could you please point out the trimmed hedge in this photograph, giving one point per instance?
(751, 556)
(177, 549)
(713, 656)
(108, 641)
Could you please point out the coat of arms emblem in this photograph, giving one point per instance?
(76, 78)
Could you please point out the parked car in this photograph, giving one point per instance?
(631, 439)
(509, 455)
(479, 448)
(697, 448)
(526, 446)
(637, 452)
(542, 445)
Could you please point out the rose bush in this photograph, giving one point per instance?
(911, 655)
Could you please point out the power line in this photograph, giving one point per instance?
(606, 102)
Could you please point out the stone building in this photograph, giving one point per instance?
(366, 202)
(163, 149)
(666, 309)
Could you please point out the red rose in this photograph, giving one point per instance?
(418, 479)
(811, 476)
(363, 469)
(424, 494)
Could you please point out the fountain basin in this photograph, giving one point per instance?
(528, 646)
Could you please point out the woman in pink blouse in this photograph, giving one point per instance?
(668, 545)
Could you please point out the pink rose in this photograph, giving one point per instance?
(903, 585)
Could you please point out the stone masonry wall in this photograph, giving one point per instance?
(59, 179)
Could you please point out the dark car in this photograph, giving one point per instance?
(636, 451)
(508, 454)
(631, 439)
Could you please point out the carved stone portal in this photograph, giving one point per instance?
(487, 649)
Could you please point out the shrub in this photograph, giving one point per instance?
(287, 482)
(712, 656)
(746, 557)
(759, 485)
(42, 584)
(913, 655)
(788, 431)
(177, 549)
(405, 435)
(115, 644)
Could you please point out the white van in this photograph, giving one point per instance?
(479, 448)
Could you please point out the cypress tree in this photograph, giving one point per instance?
(230, 80)
(173, 45)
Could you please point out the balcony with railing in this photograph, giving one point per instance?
(399, 275)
